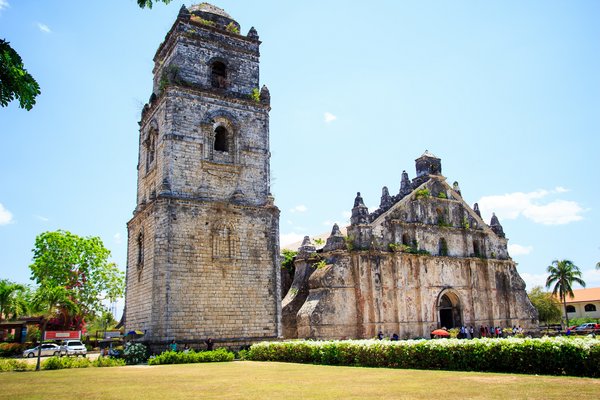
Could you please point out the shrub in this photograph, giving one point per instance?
(108, 362)
(14, 365)
(66, 362)
(11, 349)
(135, 353)
(173, 357)
(549, 356)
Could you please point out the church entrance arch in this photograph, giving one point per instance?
(448, 310)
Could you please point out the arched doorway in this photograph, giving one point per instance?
(448, 308)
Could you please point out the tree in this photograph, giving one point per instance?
(47, 302)
(11, 304)
(547, 306)
(15, 81)
(563, 274)
(148, 3)
(81, 266)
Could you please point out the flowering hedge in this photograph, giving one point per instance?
(549, 356)
(11, 349)
(173, 357)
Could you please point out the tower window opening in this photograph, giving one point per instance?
(443, 247)
(219, 75)
(221, 139)
(140, 250)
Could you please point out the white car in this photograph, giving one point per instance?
(48, 349)
(73, 348)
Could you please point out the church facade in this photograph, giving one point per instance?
(423, 260)
(203, 249)
(203, 243)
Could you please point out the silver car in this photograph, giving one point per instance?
(48, 349)
(73, 348)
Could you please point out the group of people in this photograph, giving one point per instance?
(490, 331)
(186, 347)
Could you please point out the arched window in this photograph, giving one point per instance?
(221, 139)
(590, 308)
(442, 247)
(218, 75)
(476, 249)
(406, 239)
(570, 309)
(151, 148)
(140, 250)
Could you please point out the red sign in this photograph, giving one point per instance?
(62, 335)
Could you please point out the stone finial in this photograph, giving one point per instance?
(306, 248)
(335, 231)
(336, 240)
(405, 186)
(265, 96)
(496, 227)
(252, 34)
(386, 199)
(358, 200)
(456, 188)
(360, 212)
(476, 209)
(184, 13)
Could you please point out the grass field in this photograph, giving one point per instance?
(261, 380)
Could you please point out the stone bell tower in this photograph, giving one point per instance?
(203, 243)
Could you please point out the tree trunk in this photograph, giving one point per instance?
(566, 313)
(39, 357)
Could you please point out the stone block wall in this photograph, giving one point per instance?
(361, 293)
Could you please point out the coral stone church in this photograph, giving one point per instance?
(203, 243)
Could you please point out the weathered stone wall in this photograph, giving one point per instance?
(361, 293)
(423, 260)
(210, 263)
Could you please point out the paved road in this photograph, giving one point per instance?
(92, 356)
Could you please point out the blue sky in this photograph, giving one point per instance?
(506, 93)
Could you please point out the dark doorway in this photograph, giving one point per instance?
(446, 320)
(449, 312)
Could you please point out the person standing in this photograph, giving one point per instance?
(209, 344)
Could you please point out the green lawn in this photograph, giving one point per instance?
(270, 380)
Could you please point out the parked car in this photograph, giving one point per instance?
(48, 349)
(587, 326)
(73, 348)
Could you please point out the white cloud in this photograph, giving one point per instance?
(118, 238)
(299, 208)
(329, 117)
(41, 218)
(518, 250)
(531, 206)
(6, 216)
(558, 212)
(4, 4)
(289, 238)
(533, 280)
(591, 277)
(43, 27)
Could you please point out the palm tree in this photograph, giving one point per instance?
(47, 302)
(563, 274)
(9, 304)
